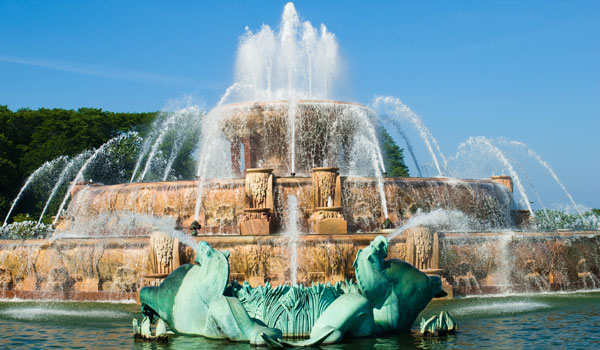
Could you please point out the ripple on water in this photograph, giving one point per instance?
(500, 308)
(41, 313)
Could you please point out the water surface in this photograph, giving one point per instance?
(528, 321)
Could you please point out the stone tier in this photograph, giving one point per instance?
(470, 263)
(224, 201)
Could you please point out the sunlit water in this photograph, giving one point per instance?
(514, 322)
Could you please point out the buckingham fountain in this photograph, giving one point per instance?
(290, 192)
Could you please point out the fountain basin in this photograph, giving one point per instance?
(113, 268)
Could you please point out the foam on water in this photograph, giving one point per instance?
(38, 313)
(501, 308)
(578, 292)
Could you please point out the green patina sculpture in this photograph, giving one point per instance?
(191, 301)
(438, 325)
(195, 299)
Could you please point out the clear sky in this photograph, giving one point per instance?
(524, 70)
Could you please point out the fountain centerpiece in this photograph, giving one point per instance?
(324, 131)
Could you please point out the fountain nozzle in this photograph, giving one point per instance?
(195, 226)
(293, 174)
(387, 224)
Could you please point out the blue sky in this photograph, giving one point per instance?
(524, 70)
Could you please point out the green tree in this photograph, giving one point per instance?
(393, 156)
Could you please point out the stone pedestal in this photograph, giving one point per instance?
(326, 195)
(504, 180)
(523, 218)
(328, 220)
(256, 222)
(257, 219)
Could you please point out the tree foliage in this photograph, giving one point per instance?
(28, 138)
(393, 156)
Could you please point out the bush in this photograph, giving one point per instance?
(26, 230)
(555, 220)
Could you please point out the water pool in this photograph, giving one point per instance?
(527, 321)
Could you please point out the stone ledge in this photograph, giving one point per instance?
(73, 295)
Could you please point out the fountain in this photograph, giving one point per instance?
(293, 184)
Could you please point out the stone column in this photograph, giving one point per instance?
(236, 148)
(257, 217)
(326, 195)
(422, 248)
(163, 255)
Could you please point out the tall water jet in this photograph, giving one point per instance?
(394, 107)
(292, 234)
(295, 62)
(30, 179)
(61, 179)
(79, 175)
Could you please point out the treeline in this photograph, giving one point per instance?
(28, 138)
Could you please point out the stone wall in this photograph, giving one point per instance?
(482, 263)
(115, 268)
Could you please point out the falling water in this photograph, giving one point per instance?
(33, 176)
(292, 234)
(395, 107)
(498, 153)
(79, 175)
(292, 108)
(505, 264)
(209, 145)
(61, 178)
(545, 164)
(535, 191)
(369, 149)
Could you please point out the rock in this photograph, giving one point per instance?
(6, 279)
(59, 280)
(125, 280)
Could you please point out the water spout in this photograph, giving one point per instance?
(33, 176)
(85, 165)
(61, 178)
(292, 235)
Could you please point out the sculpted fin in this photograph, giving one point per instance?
(312, 342)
